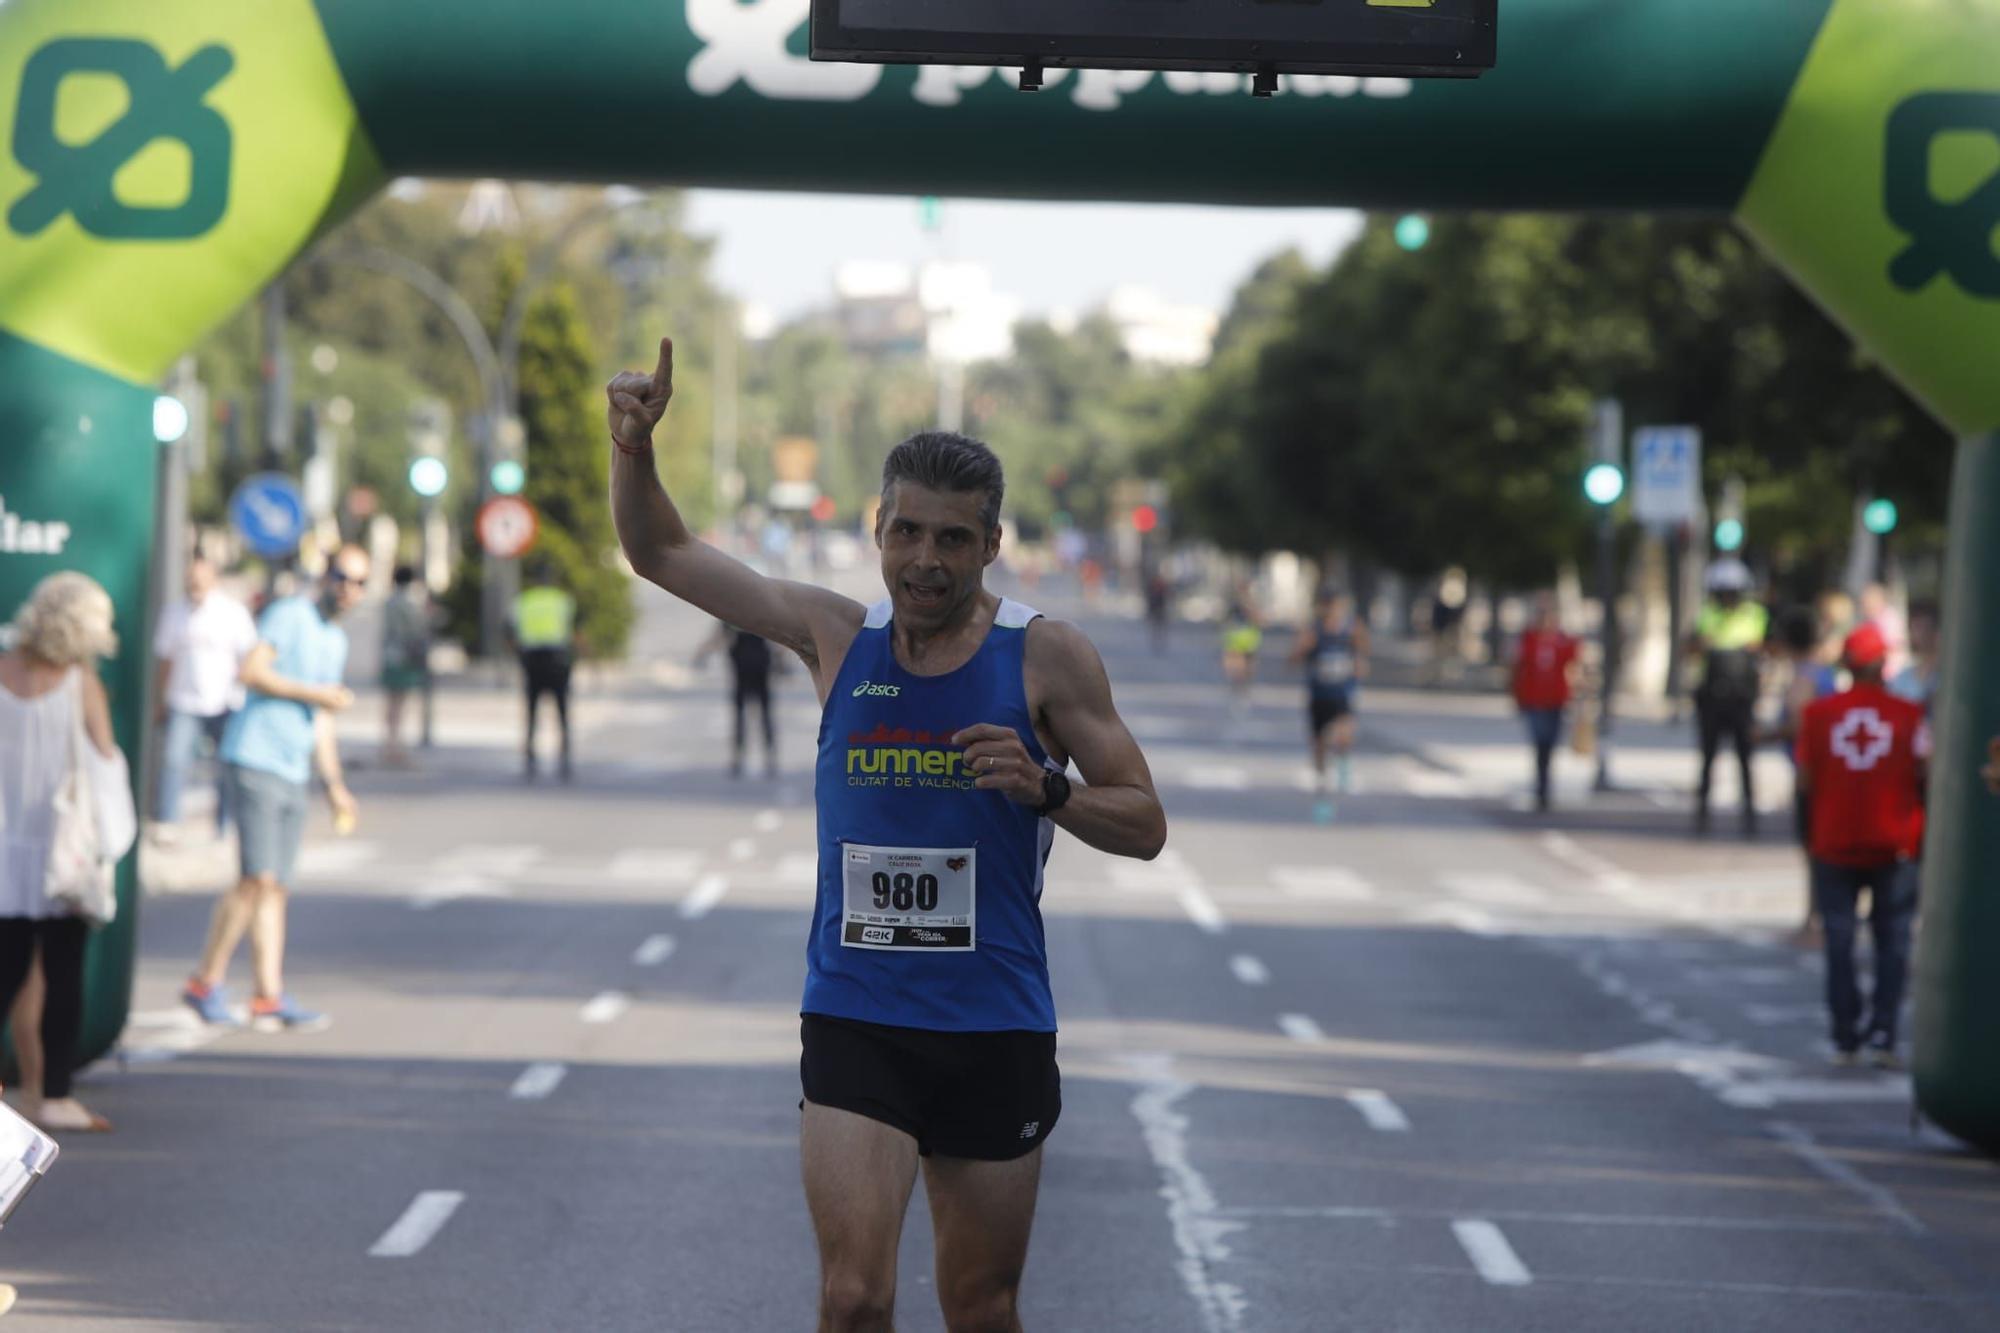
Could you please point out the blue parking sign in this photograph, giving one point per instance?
(270, 512)
(1666, 474)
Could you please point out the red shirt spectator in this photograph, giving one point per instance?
(1541, 669)
(1861, 759)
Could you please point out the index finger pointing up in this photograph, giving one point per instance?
(663, 374)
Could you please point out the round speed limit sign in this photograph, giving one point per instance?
(507, 527)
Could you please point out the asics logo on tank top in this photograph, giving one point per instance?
(1862, 739)
(869, 689)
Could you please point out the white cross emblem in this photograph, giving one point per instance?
(748, 42)
(1862, 739)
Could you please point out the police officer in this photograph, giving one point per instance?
(542, 631)
(1728, 637)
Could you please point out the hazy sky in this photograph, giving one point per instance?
(780, 250)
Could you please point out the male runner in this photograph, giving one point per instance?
(1333, 649)
(950, 716)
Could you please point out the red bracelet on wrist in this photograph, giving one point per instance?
(625, 448)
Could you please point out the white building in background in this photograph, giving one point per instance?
(946, 311)
(1157, 332)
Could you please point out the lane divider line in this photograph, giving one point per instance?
(742, 849)
(537, 1081)
(605, 1007)
(1250, 970)
(1201, 909)
(1380, 1112)
(1300, 1028)
(418, 1225)
(701, 899)
(1486, 1245)
(654, 950)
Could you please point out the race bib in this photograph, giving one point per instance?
(907, 897)
(1335, 668)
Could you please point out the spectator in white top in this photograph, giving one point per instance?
(199, 647)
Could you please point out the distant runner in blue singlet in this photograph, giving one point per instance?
(950, 720)
(1333, 649)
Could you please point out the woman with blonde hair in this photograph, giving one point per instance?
(47, 678)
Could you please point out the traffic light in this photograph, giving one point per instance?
(1412, 231)
(1729, 534)
(1879, 517)
(1604, 483)
(508, 477)
(1144, 519)
(170, 419)
(428, 476)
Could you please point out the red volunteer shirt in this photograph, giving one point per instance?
(1541, 671)
(1861, 755)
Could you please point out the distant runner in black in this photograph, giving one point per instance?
(750, 670)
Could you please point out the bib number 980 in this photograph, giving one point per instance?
(905, 893)
(908, 898)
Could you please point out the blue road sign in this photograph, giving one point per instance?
(1666, 474)
(270, 512)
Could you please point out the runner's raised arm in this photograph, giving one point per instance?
(813, 622)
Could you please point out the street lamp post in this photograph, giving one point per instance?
(493, 393)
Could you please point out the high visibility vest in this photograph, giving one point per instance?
(544, 618)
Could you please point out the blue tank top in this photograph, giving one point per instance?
(1330, 661)
(929, 908)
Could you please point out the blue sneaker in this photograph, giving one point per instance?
(285, 1014)
(211, 1003)
(1323, 811)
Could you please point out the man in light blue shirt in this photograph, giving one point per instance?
(270, 750)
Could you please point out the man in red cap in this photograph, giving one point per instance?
(1862, 759)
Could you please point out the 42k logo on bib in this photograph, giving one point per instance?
(162, 102)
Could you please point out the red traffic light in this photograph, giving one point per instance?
(822, 510)
(1145, 518)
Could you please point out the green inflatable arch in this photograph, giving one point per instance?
(163, 161)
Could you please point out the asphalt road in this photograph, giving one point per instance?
(1440, 1066)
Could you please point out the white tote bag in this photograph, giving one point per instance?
(96, 824)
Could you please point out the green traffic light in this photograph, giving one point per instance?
(1604, 483)
(1879, 517)
(428, 477)
(1729, 535)
(1412, 231)
(508, 477)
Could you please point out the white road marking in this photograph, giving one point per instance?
(1201, 909)
(1578, 857)
(654, 950)
(1432, 785)
(1379, 1111)
(452, 888)
(1199, 1233)
(503, 859)
(1498, 890)
(1486, 1245)
(1462, 916)
(333, 858)
(1206, 777)
(420, 1222)
(1840, 1173)
(1300, 1028)
(1781, 1015)
(1666, 1221)
(767, 821)
(537, 1081)
(707, 892)
(1762, 1094)
(798, 870)
(1250, 971)
(1164, 874)
(156, 1035)
(742, 849)
(605, 1007)
(650, 865)
(1330, 882)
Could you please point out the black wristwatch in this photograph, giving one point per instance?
(1055, 793)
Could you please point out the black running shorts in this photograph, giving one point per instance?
(991, 1096)
(1323, 710)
